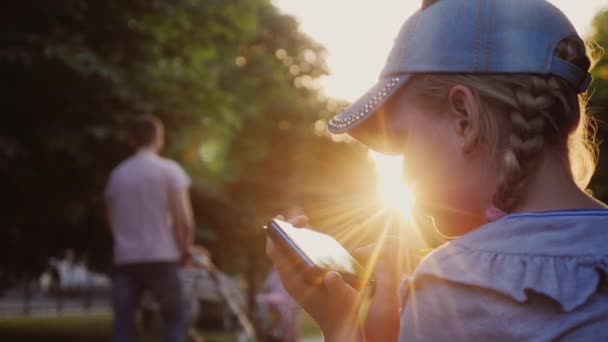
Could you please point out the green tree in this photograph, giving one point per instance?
(234, 81)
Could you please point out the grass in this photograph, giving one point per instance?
(82, 328)
(95, 328)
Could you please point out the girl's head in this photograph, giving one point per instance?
(481, 97)
(474, 141)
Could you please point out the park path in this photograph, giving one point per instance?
(311, 339)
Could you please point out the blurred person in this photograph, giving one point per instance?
(202, 280)
(486, 102)
(278, 310)
(151, 219)
(45, 281)
(194, 274)
(53, 269)
(65, 267)
(80, 273)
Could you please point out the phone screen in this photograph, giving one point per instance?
(321, 249)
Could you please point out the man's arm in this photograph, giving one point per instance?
(108, 194)
(181, 211)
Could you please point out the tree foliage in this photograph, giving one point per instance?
(234, 82)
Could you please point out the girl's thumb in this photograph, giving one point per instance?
(333, 281)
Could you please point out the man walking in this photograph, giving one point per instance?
(151, 219)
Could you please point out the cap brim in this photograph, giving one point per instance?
(367, 109)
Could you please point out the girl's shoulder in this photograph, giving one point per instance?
(559, 254)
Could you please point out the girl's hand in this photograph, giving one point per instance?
(333, 304)
(383, 316)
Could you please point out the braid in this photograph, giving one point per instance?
(543, 101)
(525, 143)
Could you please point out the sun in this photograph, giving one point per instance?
(391, 188)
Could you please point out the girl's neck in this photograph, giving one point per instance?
(552, 188)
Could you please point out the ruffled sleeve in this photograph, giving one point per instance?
(570, 280)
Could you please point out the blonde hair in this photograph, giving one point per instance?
(524, 113)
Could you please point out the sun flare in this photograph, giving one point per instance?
(391, 188)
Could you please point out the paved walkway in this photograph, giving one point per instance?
(311, 339)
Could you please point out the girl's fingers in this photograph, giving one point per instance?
(365, 253)
(382, 322)
(386, 258)
(270, 249)
(333, 282)
(340, 292)
(388, 279)
(299, 221)
(278, 259)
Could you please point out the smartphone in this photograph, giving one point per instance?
(313, 254)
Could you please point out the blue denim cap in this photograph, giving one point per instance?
(470, 36)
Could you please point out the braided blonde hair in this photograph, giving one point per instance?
(524, 113)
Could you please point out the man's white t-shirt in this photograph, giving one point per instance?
(138, 193)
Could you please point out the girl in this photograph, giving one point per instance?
(484, 100)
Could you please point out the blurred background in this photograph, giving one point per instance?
(244, 88)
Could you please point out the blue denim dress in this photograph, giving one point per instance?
(526, 277)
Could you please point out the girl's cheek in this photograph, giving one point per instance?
(421, 163)
(435, 180)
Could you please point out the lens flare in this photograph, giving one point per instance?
(392, 190)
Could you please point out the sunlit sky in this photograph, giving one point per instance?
(358, 34)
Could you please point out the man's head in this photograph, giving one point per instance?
(147, 132)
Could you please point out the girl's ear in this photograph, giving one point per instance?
(464, 107)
